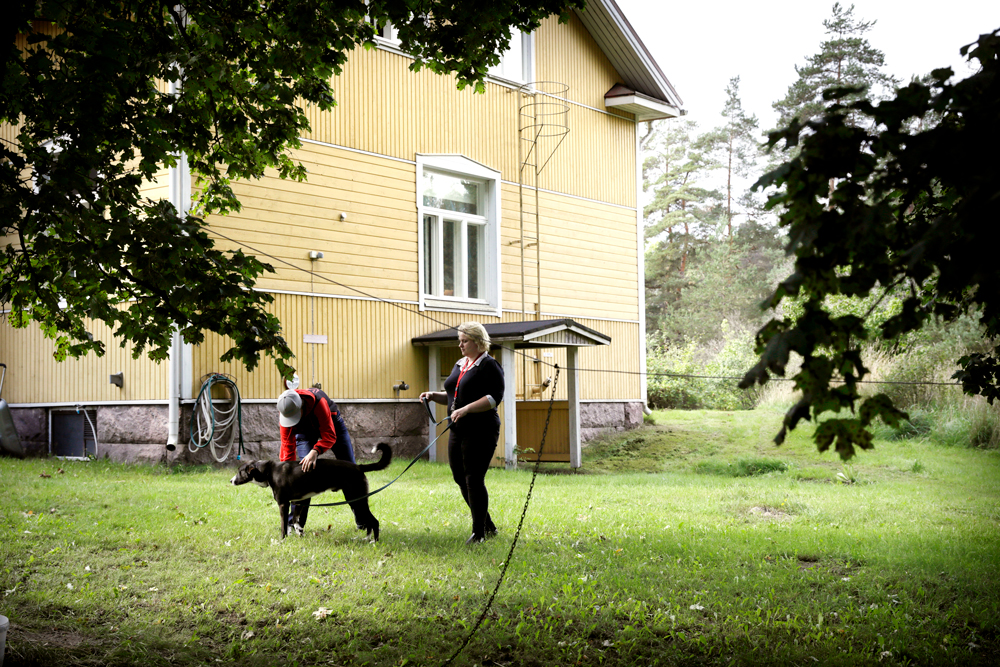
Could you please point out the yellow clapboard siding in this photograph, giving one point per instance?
(358, 222)
(34, 376)
(358, 363)
(589, 248)
(406, 113)
(328, 187)
(621, 355)
(389, 244)
(587, 71)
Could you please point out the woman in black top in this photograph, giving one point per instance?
(472, 393)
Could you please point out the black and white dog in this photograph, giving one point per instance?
(290, 484)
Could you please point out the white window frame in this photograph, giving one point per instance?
(527, 73)
(462, 167)
(387, 34)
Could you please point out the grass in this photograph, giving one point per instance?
(647, 556)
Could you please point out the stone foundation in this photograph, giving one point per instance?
(138, 433)
(596, 419)
(32, 426)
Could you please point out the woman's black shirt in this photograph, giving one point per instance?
(482, 380)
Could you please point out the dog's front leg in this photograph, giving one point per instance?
(283, 511)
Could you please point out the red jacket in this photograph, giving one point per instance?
(316, 422)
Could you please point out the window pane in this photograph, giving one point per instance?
(430, 250)
(477, 247)
(452, 247)
(450, 193)
(511, 66)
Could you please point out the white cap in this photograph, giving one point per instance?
(289, 408)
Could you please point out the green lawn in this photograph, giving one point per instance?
(665, 549)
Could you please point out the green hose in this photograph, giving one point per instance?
(205, 411)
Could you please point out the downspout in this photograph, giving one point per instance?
(174, 393)
(640, 239)
(180, 197)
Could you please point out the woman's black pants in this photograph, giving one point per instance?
(469, 455)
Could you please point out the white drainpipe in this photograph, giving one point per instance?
(174, 392)
(180, 197)
(640, 231)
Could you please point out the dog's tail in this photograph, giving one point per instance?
(382, 463)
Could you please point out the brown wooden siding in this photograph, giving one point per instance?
(531, 419)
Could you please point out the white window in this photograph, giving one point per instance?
(387, 32)
(517, 62)
(457, 201)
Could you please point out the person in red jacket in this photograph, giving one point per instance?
(311, 424)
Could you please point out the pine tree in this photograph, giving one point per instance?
(734, 146)
(682, 212)
(846, 59)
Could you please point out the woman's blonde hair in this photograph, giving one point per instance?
(476, 332)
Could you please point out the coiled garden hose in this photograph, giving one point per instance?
(211, 425)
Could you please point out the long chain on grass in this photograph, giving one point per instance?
(520, 524)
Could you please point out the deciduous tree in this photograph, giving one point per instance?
(84, 84)
(913, 205)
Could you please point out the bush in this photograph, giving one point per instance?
(724, 360)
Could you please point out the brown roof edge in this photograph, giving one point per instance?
(645, 50)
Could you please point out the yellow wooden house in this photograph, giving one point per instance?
(425, 207)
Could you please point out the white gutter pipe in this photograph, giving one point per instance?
(640, 230)
(180, 197)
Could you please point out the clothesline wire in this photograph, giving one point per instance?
(531, 358)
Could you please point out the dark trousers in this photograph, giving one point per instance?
(469, 455)
(343, 449)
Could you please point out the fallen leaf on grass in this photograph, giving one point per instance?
(319, 614)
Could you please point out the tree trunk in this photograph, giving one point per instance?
(729, 192)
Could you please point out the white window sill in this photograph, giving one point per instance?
(458, 306)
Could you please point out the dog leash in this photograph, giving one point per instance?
(415, 459)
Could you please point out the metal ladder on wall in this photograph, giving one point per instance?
(543, 115)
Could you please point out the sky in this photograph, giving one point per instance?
(701, 45)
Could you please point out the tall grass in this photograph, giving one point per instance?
(919, 384)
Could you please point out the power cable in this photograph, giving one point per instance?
(527, 356)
